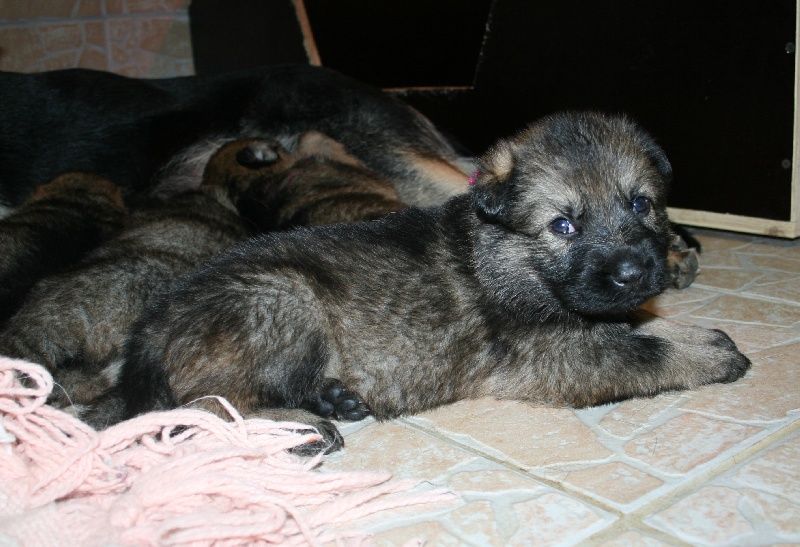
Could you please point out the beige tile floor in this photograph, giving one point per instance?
(715, 466)
(140, 38)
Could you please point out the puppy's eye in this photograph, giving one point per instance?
(641, 205)
(562, 226)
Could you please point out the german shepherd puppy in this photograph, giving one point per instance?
(526, 288)
(54, 228)
(318, 183)
(75, 323)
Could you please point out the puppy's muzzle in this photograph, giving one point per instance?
(627, 273)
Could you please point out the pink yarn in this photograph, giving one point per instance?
(184, 477)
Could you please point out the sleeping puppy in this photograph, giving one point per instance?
(318, 183)
(526, 288)
(54, 228)
(75, 323)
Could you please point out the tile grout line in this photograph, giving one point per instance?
(636, 518)
(742, 293)
(514, 467)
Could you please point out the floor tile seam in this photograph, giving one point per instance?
(510, 465)
(628, 523)
(48, 21)
(770, 426)
(755, 254)
(743, 294)
(692, 484)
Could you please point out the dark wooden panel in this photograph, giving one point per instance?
(228, 36)
(713, 80)
(401, 43)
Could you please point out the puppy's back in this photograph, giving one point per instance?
(59, 223)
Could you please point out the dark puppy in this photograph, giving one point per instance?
(60, 222)
(318, 183)
(75, 323)
(526, 288)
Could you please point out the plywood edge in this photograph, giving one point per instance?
(735, 223)
(309, 43)
(795, 206)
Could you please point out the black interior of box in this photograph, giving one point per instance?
(712, 80)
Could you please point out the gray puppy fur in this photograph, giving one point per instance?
(527, 288)
(59, 223)
(75, 323)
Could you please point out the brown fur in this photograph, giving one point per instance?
(317, 183)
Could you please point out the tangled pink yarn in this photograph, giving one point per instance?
(183, 477)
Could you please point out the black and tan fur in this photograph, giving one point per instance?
(317, 183)
(526, 288)
(61, 221)
(129, 129)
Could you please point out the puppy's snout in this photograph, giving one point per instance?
(627, 273)
(258, 155)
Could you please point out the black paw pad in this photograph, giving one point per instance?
(345, 404)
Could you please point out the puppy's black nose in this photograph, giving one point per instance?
(627, 274)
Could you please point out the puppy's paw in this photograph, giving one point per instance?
(336, 401)
(331, 440)
(732, 364)
(683, 263)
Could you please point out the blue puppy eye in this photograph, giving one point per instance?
(562, 226)
(641, 205)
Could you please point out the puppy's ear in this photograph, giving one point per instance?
(491, 191)
(657, 157)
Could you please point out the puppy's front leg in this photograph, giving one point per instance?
(608, 362)
(696, 355)
(662, 355)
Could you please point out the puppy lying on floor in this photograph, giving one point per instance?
(75, 323)
(526, 288)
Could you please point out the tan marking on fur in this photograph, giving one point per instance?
(497, 164)
(79, 181)
(223, 169)
(445, 174)
(314, 143)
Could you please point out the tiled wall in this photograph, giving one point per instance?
(140, 38)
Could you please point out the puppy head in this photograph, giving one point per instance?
(575, 208)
